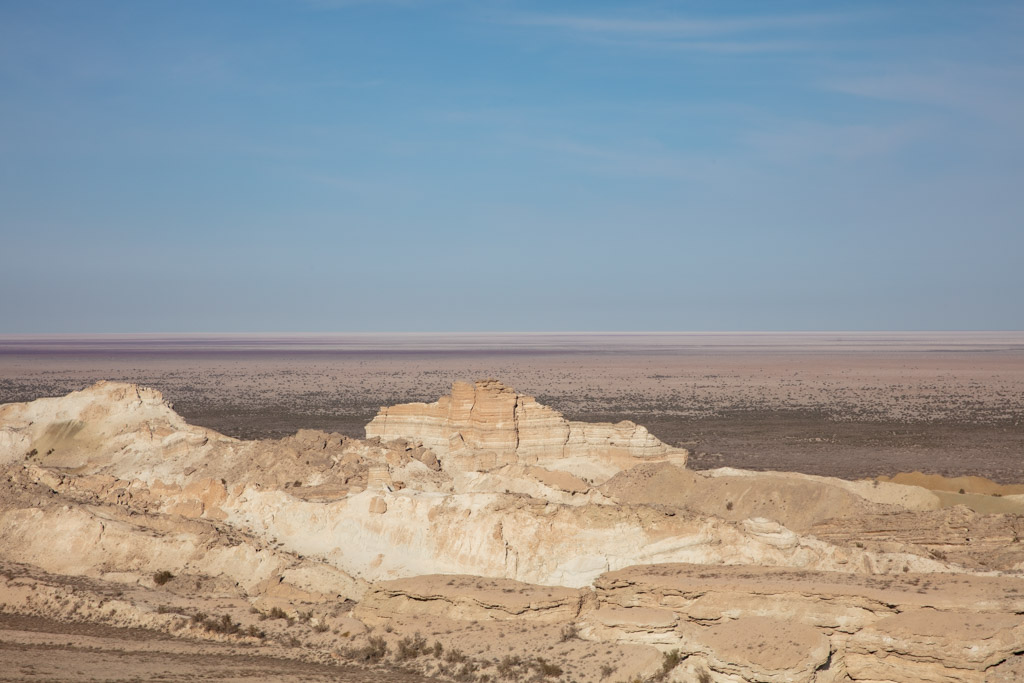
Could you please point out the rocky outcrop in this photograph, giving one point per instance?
(957, 534)
(488, 510)
(485, 425)
(111, 543)
(470, 598)
(535, 482)
(796, 501)
(85, 428)
(924, 644)
(385, 535)
(919, 627)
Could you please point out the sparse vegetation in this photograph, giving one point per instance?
(669, 661)
(275, 613)
(167, 609)
(224, 624)
(162, 577)
(546, 668)
(509, 665)
(570, 632)
(411, 647)
(375, 650)
(467, 673)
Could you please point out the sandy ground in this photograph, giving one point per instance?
(848, 405)
(38, 649)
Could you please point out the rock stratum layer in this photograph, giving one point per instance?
(582, 552)
(485, 425)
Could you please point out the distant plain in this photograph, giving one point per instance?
(849, 404)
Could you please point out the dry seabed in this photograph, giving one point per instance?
(485, 537)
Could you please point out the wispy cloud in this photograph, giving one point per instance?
(722, 47)
(675, 26)
(344, 4)
(993, 94)
(641, 159)
(852, 142)
(800, 143)
(716, 35)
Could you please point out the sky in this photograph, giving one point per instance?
(347, 166)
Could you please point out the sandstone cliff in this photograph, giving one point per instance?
(485, 425)
(486, 508)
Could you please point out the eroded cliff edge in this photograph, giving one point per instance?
(486, 506)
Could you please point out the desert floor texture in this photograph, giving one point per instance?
(688, 507)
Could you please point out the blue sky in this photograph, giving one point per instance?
(332, 165)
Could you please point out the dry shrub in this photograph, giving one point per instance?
(669, 661)
(411, 647)
(546, 668)
(375, 650)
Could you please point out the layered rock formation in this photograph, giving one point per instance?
(777, 625)
(909, 627)
(485, 425)
(484, 508)
(471, 598)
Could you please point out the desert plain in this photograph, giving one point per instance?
(705, 507)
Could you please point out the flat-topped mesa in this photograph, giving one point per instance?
(486, 424)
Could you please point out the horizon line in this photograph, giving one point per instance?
(499, 332)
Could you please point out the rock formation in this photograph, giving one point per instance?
(488, 516)
(485, 425)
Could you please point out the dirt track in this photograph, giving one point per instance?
(34, 648)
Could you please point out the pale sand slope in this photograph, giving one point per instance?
(489, 507)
